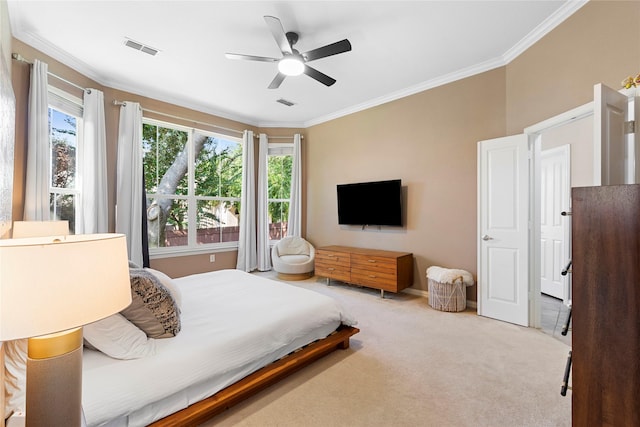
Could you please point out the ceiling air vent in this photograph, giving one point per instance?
(285, 102)
(141, 47)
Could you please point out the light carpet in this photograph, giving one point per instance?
(411, 365)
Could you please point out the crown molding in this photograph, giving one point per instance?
(555, 19)
(560, 15)
(412, 90)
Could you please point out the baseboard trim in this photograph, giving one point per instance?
(425, 294)
(419, 292)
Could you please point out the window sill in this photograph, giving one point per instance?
(178, 252)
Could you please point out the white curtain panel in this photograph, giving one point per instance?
(294, 227)
(129, 179)
(247, 257)
(93, 166)
(36, 203)
(264, 256)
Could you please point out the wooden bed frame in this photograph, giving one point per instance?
(206, 409)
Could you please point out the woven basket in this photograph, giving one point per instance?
(448, 296)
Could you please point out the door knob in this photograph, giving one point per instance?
(487, 237)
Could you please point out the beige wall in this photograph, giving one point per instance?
(428, 139)
(578, 134)
(598, 44)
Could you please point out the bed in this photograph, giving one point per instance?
(238, 333)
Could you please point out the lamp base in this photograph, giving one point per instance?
(54, 380)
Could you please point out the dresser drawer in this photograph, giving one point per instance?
(324, 270)
(374, 263)
(332, 257)
(333, 264)
(374, 279)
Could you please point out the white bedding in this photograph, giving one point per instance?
(233, 323)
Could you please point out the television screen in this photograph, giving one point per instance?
(370, 203)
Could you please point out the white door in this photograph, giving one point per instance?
(609, 150)
(503, 229)
(554, 228)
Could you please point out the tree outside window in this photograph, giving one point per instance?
(191, 202)
(279, 190)
(63, 190)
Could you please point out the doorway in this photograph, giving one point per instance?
(573, 130)
(602, 151)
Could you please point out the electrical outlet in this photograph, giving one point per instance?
(212, 258)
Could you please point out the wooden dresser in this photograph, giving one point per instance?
(373, 268)
(605, 228)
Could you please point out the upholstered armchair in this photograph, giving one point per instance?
(293, 258)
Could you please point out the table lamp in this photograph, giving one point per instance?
(49, 288)
(22, 229)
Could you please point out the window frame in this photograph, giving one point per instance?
(73, 106)
(192, 247)
(278, 149)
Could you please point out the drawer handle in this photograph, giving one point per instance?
(331, 269)
(372, 276)
(331, 255)
(371, 260)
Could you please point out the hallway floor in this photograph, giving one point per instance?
(554, 316)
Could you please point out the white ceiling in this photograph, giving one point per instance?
(399, 48)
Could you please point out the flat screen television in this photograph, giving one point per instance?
(370, 203)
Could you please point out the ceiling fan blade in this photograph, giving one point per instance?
(275, 26)
(328, 50)
(250, 57)
(277, 80)
(317, 75)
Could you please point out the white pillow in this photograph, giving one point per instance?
(116, 337)
(168, 283)
(15, 376)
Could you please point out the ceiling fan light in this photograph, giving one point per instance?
(291, 66)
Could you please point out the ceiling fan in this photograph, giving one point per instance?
(294, 63)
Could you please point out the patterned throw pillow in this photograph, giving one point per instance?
(152, 309)
(169, 284)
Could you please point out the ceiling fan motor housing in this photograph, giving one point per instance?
(292, 38)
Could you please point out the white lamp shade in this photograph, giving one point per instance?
(40, 228)
(51, 284)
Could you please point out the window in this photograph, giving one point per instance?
(65, 123)
(193, 181)
(280, 160)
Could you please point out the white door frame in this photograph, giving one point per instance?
(534, 134)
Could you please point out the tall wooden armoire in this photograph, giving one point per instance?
(606, 305)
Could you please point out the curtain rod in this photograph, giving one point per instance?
(21, 58)
(118, 103)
